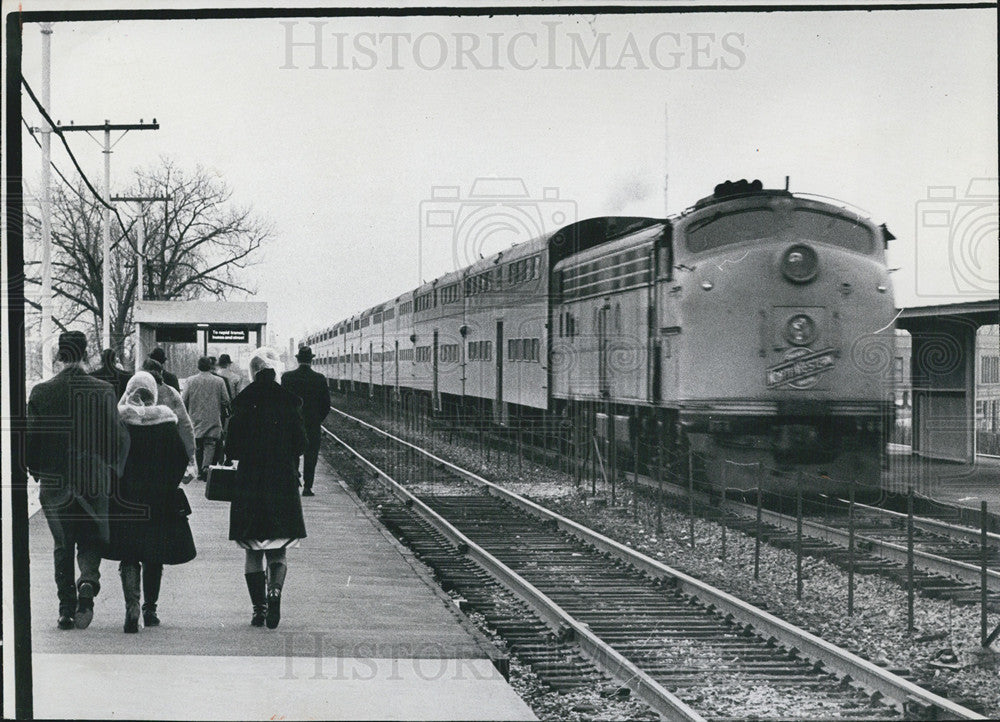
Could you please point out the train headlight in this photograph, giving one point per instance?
(800, 330)
(800, 264)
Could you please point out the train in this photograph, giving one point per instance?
(746, 342)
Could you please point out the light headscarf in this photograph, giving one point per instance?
(133, 410)
(265, 358)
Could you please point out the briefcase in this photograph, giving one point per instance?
(220, 483)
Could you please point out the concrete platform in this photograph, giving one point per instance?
(364, 634)
(956, 484)
(947, 481)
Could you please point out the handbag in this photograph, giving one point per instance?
(220, 483)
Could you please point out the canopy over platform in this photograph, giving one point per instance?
(943, 375)
(207, 322)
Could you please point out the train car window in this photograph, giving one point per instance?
(814, 225)
(534, 349)
(619, 272)
(727, 228)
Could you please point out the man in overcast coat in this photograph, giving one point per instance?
(76, 448)
(312, 388)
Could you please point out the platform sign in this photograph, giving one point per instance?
(228, 335)
(176, 334)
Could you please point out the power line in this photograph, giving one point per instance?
(58, 131)
(31, 132)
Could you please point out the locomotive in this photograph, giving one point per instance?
(747, 342)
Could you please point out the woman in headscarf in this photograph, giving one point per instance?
(167, 395)
(149, 526)
(267, 436)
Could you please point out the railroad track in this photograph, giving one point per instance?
(686, 649)
(947, 558)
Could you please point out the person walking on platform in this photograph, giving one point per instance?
(76, 447)
(266, 436)
(160, 356)
(207, 402)
(235, 381)
(169, 396)
(149, 526)
(312, 389)
(110, 373)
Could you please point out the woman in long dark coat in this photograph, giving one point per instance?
(267, 436)
(148, 523)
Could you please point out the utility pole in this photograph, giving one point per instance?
(140, 254)
(666, 163)
(46, 298)
(107, 127)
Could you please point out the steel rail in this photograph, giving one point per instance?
(933, 563)
(604, 657)
(925, 561)
(961, 533)
(840, 661)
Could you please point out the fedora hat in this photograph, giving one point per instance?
(304, 355)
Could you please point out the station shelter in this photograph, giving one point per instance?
(943, 376)
(187, 330)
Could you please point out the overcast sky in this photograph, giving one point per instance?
(588, 112)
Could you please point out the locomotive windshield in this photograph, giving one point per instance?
(814, 225)
(760, 223)
(727, 228)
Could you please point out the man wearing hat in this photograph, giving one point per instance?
(76, 447)
(312, 388)
(233, 380)
(160, 356)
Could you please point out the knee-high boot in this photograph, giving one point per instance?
(130, 586)
(276, 580)
(152, 575)
(257, 586)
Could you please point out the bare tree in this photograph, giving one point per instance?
(196, 245)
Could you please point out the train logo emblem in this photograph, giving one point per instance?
(800, 368)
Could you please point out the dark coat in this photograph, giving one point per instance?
(267, 435)
(147, 521)
(118, 378)
(171, 380)
(312, 389)
(76, 444)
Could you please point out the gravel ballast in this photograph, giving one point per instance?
(943, 654)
